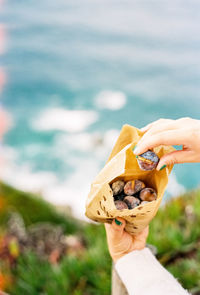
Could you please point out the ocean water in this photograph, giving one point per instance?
(77, 70)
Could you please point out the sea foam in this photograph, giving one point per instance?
(112, 100)
(88, 142)
(65, 120)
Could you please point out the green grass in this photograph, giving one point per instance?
(86, 275)
(33, 209)
(175, 231)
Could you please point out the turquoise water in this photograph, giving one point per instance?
(65, 55)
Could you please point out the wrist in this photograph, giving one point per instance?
(117, 256)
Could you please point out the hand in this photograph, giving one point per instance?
(185, 132)
(120, 242)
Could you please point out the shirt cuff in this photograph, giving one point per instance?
(142, 274)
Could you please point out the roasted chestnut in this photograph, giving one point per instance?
(117, 187)
(130, 194)
(147, 161)
(133, 186)
(131, 201)
(148, 194)
(120, 205)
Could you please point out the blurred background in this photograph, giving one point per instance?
(71, 74)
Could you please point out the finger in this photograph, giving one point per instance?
(147, 127)
(165, 124)
(170, 137)
(150, 125)
(155, 124)
(176, 157)
(158, 128)
(115, 230)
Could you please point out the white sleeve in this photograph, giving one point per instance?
(142, 274)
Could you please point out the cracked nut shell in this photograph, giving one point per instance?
(133, 186)
(147, 161)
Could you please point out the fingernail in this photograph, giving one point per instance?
(118, 222)
(163, 167)
(136, 150)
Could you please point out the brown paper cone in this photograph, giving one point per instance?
(122, 164)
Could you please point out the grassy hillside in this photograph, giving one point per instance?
(32, 208)
(84, 268)
(176, 233)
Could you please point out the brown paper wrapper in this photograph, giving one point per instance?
(122, 164)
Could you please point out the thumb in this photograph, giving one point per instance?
(115, 230)
(175, 157)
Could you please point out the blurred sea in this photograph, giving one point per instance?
(77, 70)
